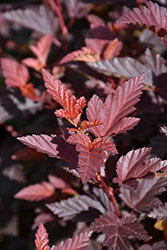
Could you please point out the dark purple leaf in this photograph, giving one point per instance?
(68, 209)
(159, 213)
(76, 8)
(39, 19)
(118, 231)
(160, 245)
(143, 198)
(92, 156)
(122, 67)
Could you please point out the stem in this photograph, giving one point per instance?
(58, 10)
(110, 192)
(163, 39)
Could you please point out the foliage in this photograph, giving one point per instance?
(85, 91)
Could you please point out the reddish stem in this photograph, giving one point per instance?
(163, 39)
(58, 10)
(71, 22)
(110, 192)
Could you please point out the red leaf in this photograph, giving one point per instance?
(16, 74)
(134, 165)
(152, 17)
(41, 240)
(33, 63)
(36, 192)
(41, 50)
(29, 91)
(112, 49)
(92, 156)
(115, 108)
(118, 231)
(143, 198)
(78, 242)
(72, 107)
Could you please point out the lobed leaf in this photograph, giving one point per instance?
(72, 107)
(36, 192)
(41, 240)
(78, 242)
(152, 17)
(143, 198)
(116, 107)
(71, 207)
(92, 156)
(118, 231)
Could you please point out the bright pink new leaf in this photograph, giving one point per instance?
(116, 107)
(118, 231)
(78, 242)
(36, 192)
(92, 156)
(72, 107)
(41, 240)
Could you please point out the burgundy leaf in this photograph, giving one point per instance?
(72, 107)
(42, 143)
(152, 17)
(78, 242)
(57, 182)
(143, 198)
(16, 74)
(36, 192)
(52, 145)
(160, 245)
(159, 213)
(95, 21)
(41, 240)
(164, 130)
(118, 231)
(135, 165)
(68, 209)
(39, 19)
(122, 67)
(42, 218)
(155, 62)
(112, 49)
(116, 107)
(92, 156)
(76, 8)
